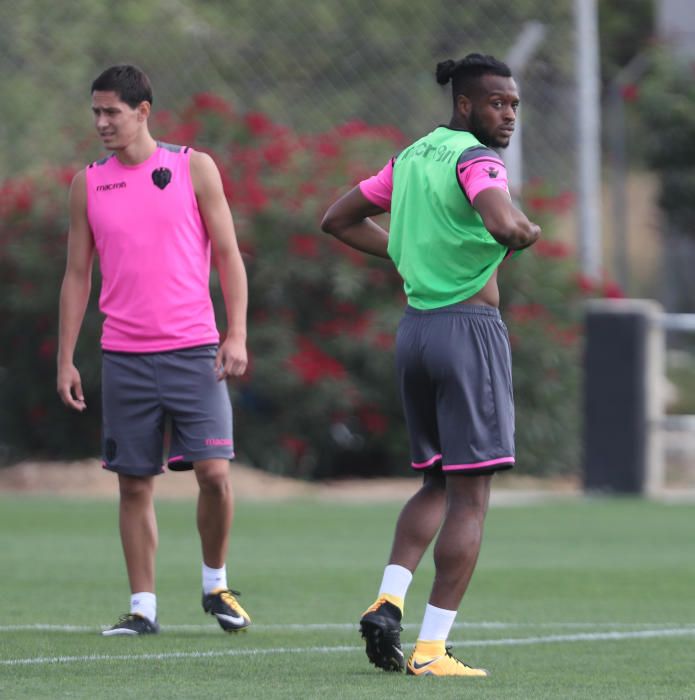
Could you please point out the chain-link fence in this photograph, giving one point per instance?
(316, 312)
(309, 64)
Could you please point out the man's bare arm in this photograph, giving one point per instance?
(214, 209)
(348, 219)
(506, 224)
(74, 294)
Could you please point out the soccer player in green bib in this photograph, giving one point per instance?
(452, 223)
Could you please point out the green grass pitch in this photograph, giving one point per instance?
(574, 599)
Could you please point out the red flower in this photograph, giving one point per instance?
(612, 291)
(390, 133)
(307, 189)
(258, 123)
(327, 148)
(207, 101)
(345, 308)
(312, 365)
(373, 421)
(228, 185)
(563, 202)
(354, 326)
(16, 196)
(277, 154)
(384, 341)
(66, 174)
(252, 195)
(355, 257)
(555, 204)
(162, 118)
(293, 444)
(184, 134)
(47, 348)
(629, 92)
(330, 329)
(522, 313)
(585, 284)
(353, 128)
(306, 246)
(539, 204)
(251, 159)
(551, 249)
(568, 336)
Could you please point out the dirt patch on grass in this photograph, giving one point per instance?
(87, 479)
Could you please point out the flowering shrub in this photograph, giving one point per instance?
(32, 254)
(319, 398)
(543, 296)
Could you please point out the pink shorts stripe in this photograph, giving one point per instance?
(428, 463)
(478, 465)
(180, 458)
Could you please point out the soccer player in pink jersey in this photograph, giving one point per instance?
(155, 214)
(452, 224)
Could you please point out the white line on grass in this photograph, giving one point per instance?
(551, 639)
(348, 626)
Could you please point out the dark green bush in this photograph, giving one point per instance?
(320, 396)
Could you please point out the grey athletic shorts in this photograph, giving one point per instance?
(139, 390)
(454, 370)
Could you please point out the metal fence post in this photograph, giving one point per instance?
(623, 374)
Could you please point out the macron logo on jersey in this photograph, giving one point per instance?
(111, 186)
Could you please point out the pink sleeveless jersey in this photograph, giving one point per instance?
(154, 253)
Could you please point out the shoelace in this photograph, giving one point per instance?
(228, 596)
(127, 617)
(448, 653)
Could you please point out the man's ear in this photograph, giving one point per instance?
(463, 106)
(144, 109)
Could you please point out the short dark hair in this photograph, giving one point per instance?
(465, 73)
(130, 83)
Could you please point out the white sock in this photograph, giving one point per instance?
(214, 578)
(436, 624)
(396, 581)
(144, 604)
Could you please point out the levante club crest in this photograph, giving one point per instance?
(161, 177)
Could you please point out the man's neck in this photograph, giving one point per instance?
(138, 151)
(458, 124)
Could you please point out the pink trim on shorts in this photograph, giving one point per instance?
(180, 458)
(428, 463)
(478, 465)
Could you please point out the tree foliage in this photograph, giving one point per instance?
(309, 65)
(626, 28)
(320, 396)
(666, 105)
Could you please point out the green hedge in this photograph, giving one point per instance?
(319, 399)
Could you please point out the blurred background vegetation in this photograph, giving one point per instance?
(297, 102)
